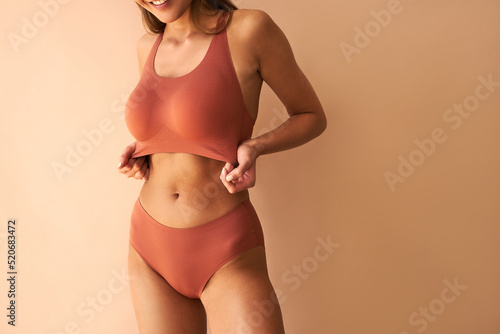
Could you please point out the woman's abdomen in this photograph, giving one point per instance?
(184, 190)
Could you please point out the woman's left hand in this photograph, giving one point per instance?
(243, 176)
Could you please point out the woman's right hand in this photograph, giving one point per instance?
(137, 168)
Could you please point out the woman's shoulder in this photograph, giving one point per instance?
(146, 41)
(251, 18)
(144, 45)
(251, 25)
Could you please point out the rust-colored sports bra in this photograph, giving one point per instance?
(201, 112)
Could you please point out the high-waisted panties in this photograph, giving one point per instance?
(187, 257)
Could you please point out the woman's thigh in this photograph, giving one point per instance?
(239, 297)
(159, 309)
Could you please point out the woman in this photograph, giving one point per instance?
(196, 245)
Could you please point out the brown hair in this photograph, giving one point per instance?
(198, 8)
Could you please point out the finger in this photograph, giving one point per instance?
(135, 167)
(125, 156)
(236, 185)
(223, 174)
(138, 175)
(228, 166)
(139, 164)
(236, 173)
(142, 172)
(240, 186)
(229, 186)
(146, 177)
(127, 166)
(122, 164)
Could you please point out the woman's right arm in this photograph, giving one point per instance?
(137, 168)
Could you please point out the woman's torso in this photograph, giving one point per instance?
(183, 189)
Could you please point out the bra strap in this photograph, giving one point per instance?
(152, 53)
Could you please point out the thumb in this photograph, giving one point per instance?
(125, 156)
(237, 172)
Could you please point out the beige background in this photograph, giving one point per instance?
(398, 248)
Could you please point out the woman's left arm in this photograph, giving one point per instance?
(278, 68)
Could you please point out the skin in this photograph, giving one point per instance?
(175, 189)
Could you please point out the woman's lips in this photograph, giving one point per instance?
(160, 6)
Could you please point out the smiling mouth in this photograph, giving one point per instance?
(159, 3)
